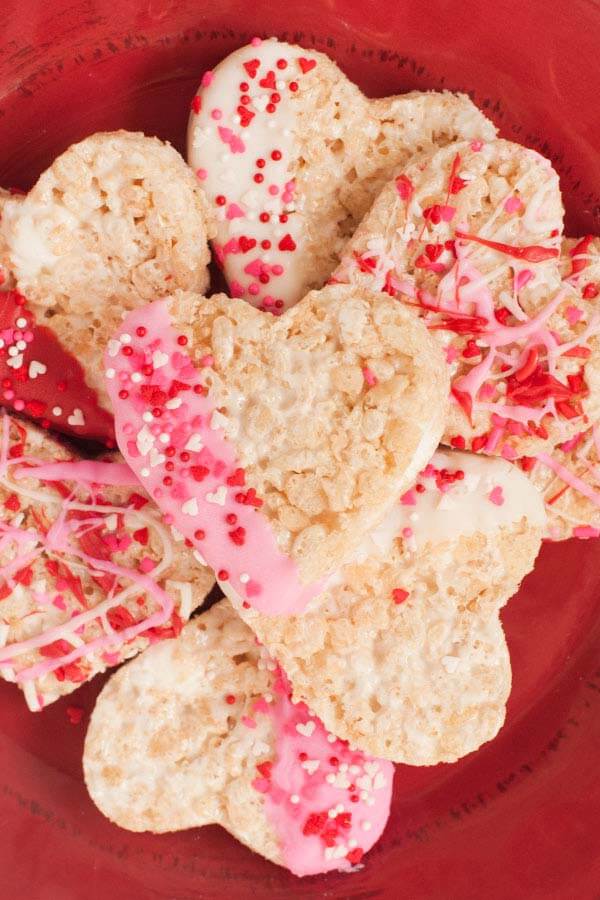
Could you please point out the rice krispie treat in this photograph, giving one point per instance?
(202, 730)
(89, 574)
(291, 155)
(275, 444)
(116, 220)
(469, 237)
(569, 474)
(7, 280)
(404, 654)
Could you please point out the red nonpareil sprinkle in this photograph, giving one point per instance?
(231, 518)
(199, 534)
(220, 200)
(230, 699)
(355, 855)
(458, 442)
(12, 503)
(222, 574)
(399, 595)
(74, 714)
(532, 253)
(197, 104)
(404, 187)
(315, 823)
(478, 442)
(590, 291)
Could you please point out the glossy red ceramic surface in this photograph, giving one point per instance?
(518, 819)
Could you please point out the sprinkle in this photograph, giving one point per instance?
(496, 496)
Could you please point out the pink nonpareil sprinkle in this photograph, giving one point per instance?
(407, 532)
(207, 78)
(573, 314)
(369, 376)
(452, 353)
(236, 290)
(585, 532)
(512, 204)
(202, 174)
(409, 498)
(146, 565)
(476, 146)
(256, 41)
(496, 496)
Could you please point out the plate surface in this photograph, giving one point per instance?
(518, 819)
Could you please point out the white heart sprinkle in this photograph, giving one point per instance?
(159, 359)
(156, 458)
(218, 420)
(194, 443)
(190, 507)
(113, 347)
(175, 403)
(311, 765)
(305, 728)
(76, 417)
(145, 440)
(218, 496)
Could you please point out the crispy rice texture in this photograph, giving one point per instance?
(425, 681)
(501, 170)
(7, 279)
(568, 509)
(164, 753)
(24, 615)
(326, 452)
(116, 220)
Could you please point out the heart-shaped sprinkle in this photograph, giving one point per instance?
(308, 812)
(413, 591)
(79, 278)
(303, 125)
(291, 400)
(78, 543)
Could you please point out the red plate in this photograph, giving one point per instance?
(519, 818)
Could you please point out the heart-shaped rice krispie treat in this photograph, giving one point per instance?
(569, 474)
(404, 654)
(291, 155)
(89, 574)
(116, 220)
(276, 444)
(469, 237)
(202, 730)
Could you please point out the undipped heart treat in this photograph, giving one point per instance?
(116, 220)
(89, 575)
(404, 654)
(275, 444)
(291, 155)
(202, 730)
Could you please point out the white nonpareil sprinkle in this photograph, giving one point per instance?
(294, 798)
